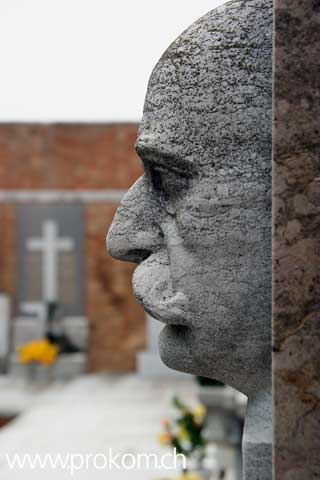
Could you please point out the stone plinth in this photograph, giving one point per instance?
(67, 367)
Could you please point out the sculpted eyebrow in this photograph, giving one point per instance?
(169, 161)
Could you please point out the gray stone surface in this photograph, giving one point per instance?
(77, 330)
(198, 222)
(27, 329)
(4, 326)
(67, 367)
(225, 411)
(70, 268)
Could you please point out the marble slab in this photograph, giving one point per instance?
(296, 244)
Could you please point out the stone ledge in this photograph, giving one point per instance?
(66, 367)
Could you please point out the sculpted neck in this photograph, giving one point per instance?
(257, 436)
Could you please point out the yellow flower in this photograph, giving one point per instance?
(190, 476)
(41, 351)
(199, 413)
(183, 434)
(165, 438)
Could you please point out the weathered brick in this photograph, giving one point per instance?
(95, 156)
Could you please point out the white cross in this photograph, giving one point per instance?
(50, 245)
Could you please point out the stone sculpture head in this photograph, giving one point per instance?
(198, 222)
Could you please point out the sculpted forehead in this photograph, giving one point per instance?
(209, 98)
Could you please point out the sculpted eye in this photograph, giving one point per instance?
(156, 178)
(166, 182)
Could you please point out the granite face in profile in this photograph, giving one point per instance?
(198, 222)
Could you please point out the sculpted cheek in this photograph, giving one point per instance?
(204, 231)
(196, 225)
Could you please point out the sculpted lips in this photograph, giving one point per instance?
(170, 311)
(153, 289)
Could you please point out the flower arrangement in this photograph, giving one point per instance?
(185, 476)
(185, 433)
(190, 476)
(38, 351)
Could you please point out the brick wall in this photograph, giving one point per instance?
(79, 157)
(8, 249)
(68, 156)
(117, 322)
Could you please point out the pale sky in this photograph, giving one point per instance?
(85, 60)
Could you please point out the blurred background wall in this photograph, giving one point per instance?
(92, 165)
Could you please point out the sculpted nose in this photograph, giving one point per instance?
(133, 234)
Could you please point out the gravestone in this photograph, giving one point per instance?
(50, 245)
(4, 327)
(50, 255)
(51, 269)
(31, 325)
(76, 329)
(198, 223)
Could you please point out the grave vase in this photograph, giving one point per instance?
(38, 374)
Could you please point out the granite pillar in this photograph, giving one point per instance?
(296, 243)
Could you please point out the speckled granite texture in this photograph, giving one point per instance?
(198, 222)
(297, 240)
